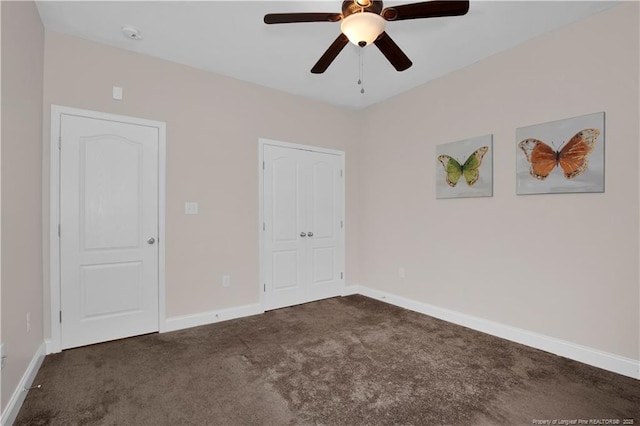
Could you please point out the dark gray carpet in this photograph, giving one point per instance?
(342, 361)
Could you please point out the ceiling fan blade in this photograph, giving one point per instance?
(392, 52)
(427, 9)
(331, 53)
(287, 18)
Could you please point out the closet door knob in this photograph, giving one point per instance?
(303, 234)
(310, 234)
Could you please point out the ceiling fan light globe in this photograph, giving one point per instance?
(363, 27)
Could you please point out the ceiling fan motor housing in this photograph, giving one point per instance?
(349, 7)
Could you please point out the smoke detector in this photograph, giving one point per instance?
(131, 32)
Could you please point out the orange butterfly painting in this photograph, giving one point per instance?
(571, 158)
(576, 164)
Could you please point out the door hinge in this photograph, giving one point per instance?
(341, 275)
(60, 317)
(340, 172)
(263, 165)
(59, 142)
(59, 230)
(264, 226)
(341, 224)
(264, 289)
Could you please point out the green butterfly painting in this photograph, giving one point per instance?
(470, 169)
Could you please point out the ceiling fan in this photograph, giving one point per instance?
(364, 22)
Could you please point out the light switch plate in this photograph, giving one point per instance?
(190, 207)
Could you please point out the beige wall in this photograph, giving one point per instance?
(213, 126)
(561, 265)
(22, 67)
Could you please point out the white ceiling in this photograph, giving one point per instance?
(230, 38)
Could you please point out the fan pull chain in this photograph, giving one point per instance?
(359, 65)
(361, 71)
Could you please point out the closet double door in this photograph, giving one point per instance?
(303, 226)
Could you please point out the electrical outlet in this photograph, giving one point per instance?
(401, 272)
(28, 322)
(226, 281)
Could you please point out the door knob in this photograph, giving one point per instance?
(310, 234)
(151, 240)
(303, 234)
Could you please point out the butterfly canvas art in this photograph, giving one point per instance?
(561, 156)
(464, 168)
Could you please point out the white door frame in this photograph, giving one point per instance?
(55, 345)
(261, 143)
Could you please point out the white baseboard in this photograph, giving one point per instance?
(351, 290)
(210, 317)
(50, 347)
(204, 318)
(19, 394)
(594, 357)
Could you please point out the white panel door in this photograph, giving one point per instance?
(324, 235)
(303, 243)
(109, 230)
